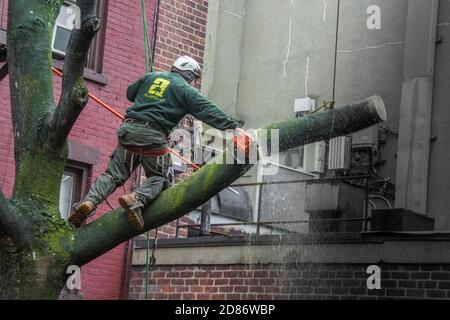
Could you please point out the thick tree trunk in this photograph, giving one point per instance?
(28, 274)
(34, 270)
(34, 245)
(38, 165)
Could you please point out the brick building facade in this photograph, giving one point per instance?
(181, 29)
(291, 282)
(297, 268)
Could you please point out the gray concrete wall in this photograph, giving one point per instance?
(284, 202)
(372, 252)
(222, 57)
(416, 106)
(287, 51)
(277, 41)
(439, 178)
(266, 54)
(371, 62)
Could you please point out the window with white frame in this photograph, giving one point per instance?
(72, 187)
(63, 28)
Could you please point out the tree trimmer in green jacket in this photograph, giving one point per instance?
(161, 100)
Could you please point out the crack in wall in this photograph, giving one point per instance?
(288, 48)
(307, 76)
(325, 5)
(232, 13)
(373, 47)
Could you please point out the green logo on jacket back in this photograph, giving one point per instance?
(157, 89)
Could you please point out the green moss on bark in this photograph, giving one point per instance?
(38, 271)
(29, 274)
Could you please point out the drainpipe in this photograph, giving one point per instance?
(416, 106)
(155, 27)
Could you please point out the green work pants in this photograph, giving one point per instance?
(122, 164)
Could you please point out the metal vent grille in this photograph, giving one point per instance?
(339, 154)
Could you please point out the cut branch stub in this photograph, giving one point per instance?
(333, 123)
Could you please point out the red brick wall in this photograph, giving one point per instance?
(169, 231)
(296, 282)
(181, 31)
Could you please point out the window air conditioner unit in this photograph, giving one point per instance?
(63, 28)
(315, 157)
(339, 154)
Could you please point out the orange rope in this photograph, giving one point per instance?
(196, 167)
(100, 102)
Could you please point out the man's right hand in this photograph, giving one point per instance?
(242, 140)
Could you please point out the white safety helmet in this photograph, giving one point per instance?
(186, 63)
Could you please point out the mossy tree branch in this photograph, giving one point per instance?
(74, 94)
(112, 229)
(12, 225)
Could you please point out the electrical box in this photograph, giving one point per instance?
(304, 105)
(315, 157)
(365, 138)
(294, 157)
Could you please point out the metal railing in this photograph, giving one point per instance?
(259, 223)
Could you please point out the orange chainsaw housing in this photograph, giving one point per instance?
(242, 141)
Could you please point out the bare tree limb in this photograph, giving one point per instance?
(12, 225)
(74, 94)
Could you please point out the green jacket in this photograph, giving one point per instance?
(165, 98)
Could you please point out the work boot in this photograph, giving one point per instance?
(81, 212)
(133, 210)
